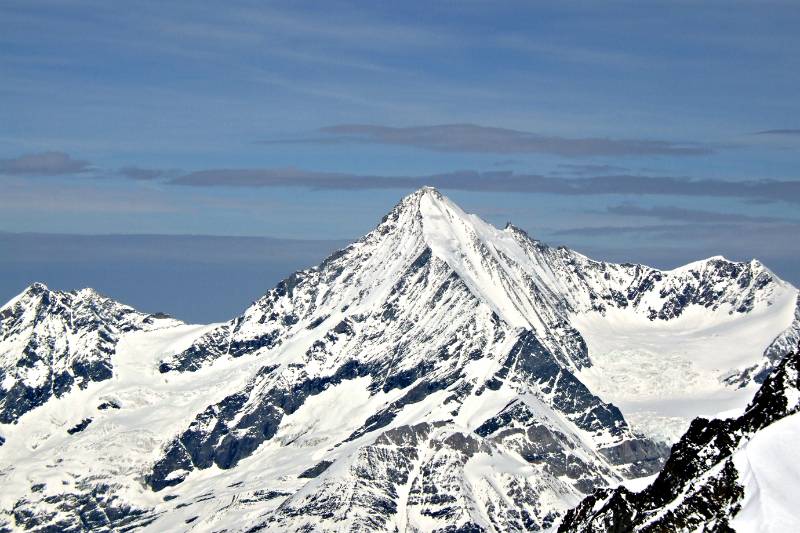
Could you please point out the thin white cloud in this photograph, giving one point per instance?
(472, 138)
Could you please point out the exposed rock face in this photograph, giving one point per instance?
(699, 487)
(51, 342)
(89, 508)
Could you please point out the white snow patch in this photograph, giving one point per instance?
(769, 469)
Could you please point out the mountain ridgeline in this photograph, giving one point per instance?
(439, 374)
(51, 342)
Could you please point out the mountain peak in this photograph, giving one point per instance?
(429, 201)
(424, 210)
(413, 201)
(52, 342)
(34, 289)
(30, 292)
(38, 290)
(427, 189)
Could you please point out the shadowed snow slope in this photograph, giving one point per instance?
(438, 373)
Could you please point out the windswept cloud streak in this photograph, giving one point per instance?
(290, 177)
(751, 233)
(598, 231)
(779, 132)
(590, 169)
(142, 174)
(502, 181)
(472, 138)
(669, 213)
(43, 164)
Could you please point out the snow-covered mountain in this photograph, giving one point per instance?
(737, 474)
(439, 373)
(53, 341)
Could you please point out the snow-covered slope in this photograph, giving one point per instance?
(438, 373)
(768, 471)
(739, 473)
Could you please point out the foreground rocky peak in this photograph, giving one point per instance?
(711, 476)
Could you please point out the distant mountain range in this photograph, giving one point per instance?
(439, 374)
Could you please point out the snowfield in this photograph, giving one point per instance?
(663, 374)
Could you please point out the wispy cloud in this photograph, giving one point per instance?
(507, 162)
(501, 181)
(779, 132)
(31, 200)
(43, 164)
(670, 213)
(773, 233)
(472, 138)
(289, 177)
(589, 231)
(588, 170)
(143, 174)
(342, 27)
(565, 52)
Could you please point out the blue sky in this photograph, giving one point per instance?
(646, 131)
